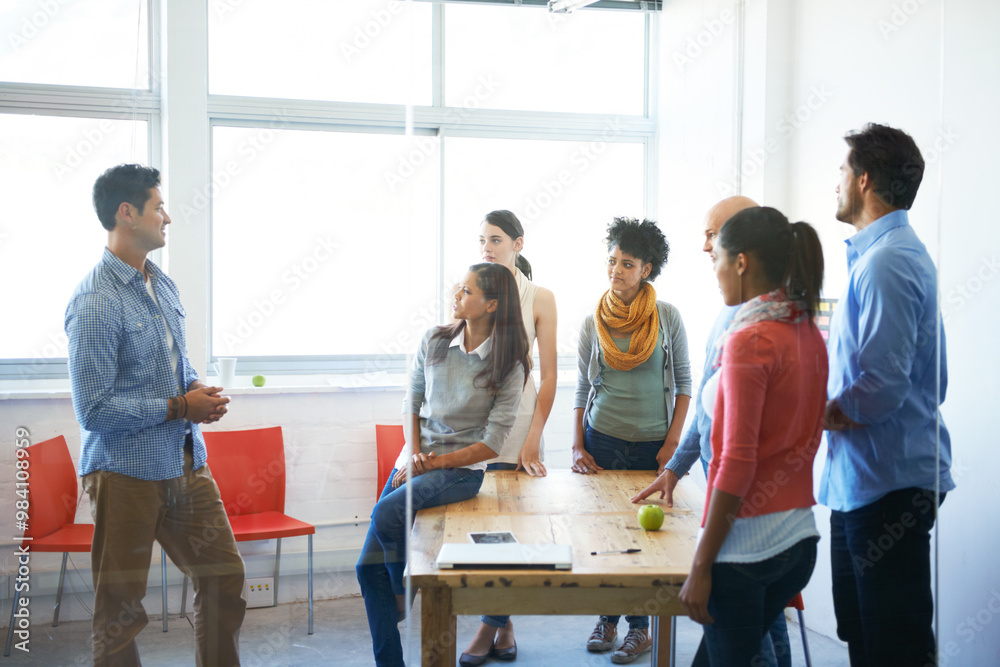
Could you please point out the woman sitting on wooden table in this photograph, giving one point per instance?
(465, 388)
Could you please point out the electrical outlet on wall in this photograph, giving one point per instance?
(260, 592)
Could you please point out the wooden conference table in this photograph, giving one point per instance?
(591, 512)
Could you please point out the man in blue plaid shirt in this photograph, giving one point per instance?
(139, 403)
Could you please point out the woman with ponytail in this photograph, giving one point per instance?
(758, 547)
(465, 388)
(633, 386)
(501, 238)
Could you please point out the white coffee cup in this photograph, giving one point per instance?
(225, 367)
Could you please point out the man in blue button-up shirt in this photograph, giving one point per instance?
(142, 460)
(889, 453)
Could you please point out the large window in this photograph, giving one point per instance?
(353, 149)
(75, 98)
(50, 236)
(317, 253)
(359, 51)
(544, 115)
(590, 62)
(82, 43)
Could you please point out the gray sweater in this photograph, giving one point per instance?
(676, 368)
(455, 410)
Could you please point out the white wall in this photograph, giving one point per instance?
(838, 64)
(696, 154)
(881, 61)
(970, 530)
(844, 63)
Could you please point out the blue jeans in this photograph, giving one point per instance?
(613, 453)
(383, 556)
(775, 648)
(880, 557)
(745, 600)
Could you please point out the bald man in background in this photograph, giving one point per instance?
(697, 441)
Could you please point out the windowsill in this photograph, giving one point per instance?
(276, 384)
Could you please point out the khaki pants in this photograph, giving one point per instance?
(186, 516)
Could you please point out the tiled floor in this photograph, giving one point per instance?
(277, 636)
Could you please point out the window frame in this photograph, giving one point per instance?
(80, 103)
(43, 99)
(437, 119)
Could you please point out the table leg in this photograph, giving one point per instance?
(437, 638)
(660, 629)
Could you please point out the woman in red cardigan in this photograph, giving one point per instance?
(758, 546)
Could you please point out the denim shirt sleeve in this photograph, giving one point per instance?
(891, 295)
(94, 326)
(190, 374)
(696, 444)
(689, 451)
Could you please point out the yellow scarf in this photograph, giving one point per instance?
(640, 318)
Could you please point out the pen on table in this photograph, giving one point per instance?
(616, 551)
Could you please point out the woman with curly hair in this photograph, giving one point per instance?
(633, 386)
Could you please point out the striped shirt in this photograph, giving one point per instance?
(121, 372)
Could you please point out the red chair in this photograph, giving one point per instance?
(249, 467)
(389, 442)
(52, 501)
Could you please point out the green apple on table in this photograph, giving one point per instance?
(258, 380)
(650, 517)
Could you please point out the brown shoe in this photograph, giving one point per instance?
(637, 642)
(603, 637)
